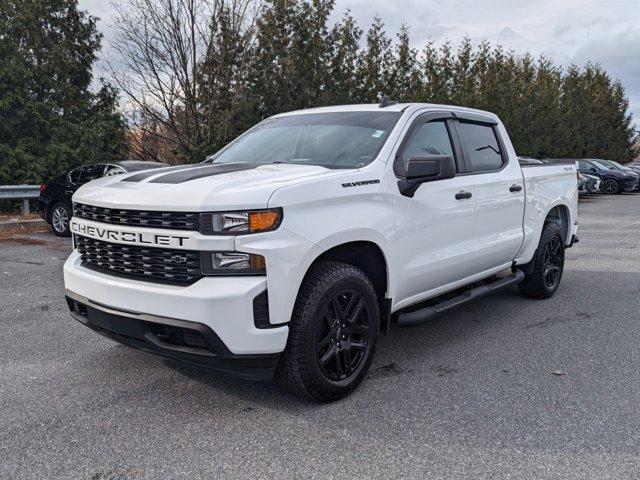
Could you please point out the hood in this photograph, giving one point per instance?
(197, 187)
(623, 174)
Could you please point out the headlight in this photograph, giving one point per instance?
(229, 223)
(232, 263)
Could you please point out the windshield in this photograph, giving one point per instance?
(332, 140)
(603, 166)
(619, 166)
(610, 164)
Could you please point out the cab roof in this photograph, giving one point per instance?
(396, 107)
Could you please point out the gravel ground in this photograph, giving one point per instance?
(503, 388)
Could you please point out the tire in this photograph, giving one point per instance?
(59, 220)
(335, 319)
(547, 264)
(611, 186)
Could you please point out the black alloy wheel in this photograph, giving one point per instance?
(544, 273)
(611, 186)
(342, 338)
(553, 261)
(332, 333)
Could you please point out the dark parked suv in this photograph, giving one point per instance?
(55, 195)
(613, 181)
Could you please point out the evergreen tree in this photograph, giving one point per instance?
(50, 120)
(463, 87)
(405, 79)
(310, 51)
(342, 84)
(272, 82)
(375, 63)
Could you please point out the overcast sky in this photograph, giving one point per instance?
(567, 31)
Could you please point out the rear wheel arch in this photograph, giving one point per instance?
(561, 215)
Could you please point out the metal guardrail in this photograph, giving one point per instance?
(20, 192)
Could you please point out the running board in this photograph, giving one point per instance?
(416, 317)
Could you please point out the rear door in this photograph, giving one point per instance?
(498, 192)
(435, 226)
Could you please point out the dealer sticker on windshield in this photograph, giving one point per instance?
(377, 133)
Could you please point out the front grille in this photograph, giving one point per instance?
(139, 218)
(170, 266)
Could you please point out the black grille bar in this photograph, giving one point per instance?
(168, 266)
(138, 218)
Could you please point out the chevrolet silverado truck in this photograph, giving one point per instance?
(290, 250)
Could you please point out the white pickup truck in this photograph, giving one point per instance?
(291, 249)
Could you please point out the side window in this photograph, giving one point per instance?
(481, 146)
(75, 174)
(432, 138)
(113, 170)
(91, 172)
(583, 165)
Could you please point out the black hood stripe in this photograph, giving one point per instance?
(200, 172)
(150, 173)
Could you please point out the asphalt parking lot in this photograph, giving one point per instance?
(504, 388)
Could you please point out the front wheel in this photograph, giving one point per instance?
(332, 333)
(548, 264)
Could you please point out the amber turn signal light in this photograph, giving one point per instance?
(263, 220)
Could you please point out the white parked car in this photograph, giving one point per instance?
(292, 248)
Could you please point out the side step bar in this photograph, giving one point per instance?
(416, 317)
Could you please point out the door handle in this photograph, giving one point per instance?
(515, 188)
(462, 194)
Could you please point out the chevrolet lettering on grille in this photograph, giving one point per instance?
(108, 233)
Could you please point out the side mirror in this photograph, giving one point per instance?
(593, 169)
(428, 168)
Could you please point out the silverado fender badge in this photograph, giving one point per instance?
(360, 183)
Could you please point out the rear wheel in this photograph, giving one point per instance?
(548, 264)
(611, 186)
(332, 333)
(60, 217)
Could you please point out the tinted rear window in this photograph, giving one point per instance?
(481, 145)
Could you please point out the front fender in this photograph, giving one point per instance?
(371, 236)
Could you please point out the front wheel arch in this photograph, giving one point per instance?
(368, 257)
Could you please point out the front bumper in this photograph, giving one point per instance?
(225, 305)
(629, 185)
(594, 186)
(185, 342)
